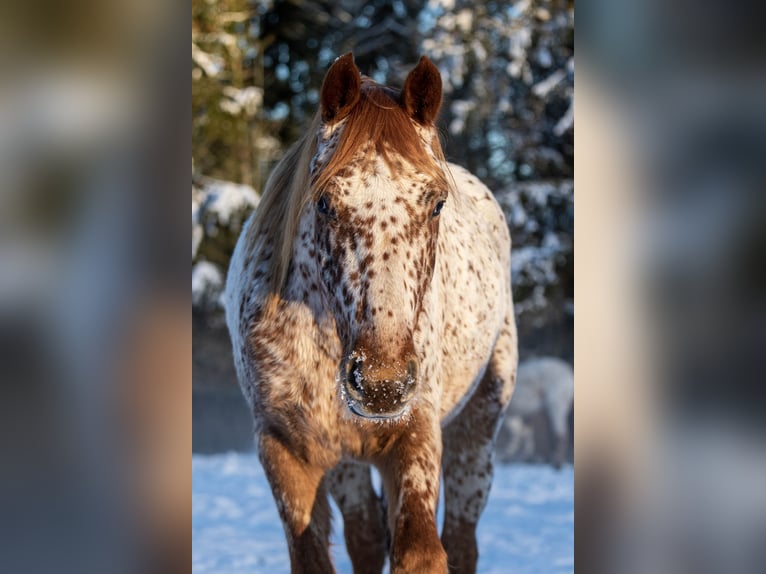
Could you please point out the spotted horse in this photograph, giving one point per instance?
(369, 306)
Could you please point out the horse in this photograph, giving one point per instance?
(544, 386)
(369, 306)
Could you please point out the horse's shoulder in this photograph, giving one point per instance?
(477, 203)
(472, 189)
(468, 183)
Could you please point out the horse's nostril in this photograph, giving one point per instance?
(355, 377)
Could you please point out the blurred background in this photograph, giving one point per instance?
(508, 116)
(95, 332)
(669, 346)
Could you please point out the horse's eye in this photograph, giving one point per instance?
(323, 206)
(437, 210)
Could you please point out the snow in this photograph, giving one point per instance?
(519, 41)
(528, 526)
(543, 89)
(197, 232)
(239, 100)
(566, 121)
(460, 111)
(219, 205)
(226, 200)
(212, 64)
(447, 5)
(464, 20)
(537, 262)
(219, 208)
(207, 284)
(540, 217)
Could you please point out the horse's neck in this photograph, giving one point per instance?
(303, 279)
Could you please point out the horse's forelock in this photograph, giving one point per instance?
(378, 119)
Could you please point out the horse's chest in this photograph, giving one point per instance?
(297, 389)
(295, 358)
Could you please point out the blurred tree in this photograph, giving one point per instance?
(509, 79)
(508, 70)
(303, 37)
(230, 139)
(508, 73)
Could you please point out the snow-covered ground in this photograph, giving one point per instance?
(528, 526)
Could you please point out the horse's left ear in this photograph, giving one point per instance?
(340, 89)
(422, 93)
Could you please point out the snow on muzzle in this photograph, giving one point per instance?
(376, 389)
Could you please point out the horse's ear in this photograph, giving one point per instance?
(422, 93)
(340, 89)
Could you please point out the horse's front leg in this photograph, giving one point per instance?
(301, 499)
(410, 475)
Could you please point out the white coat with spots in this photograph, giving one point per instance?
(369, 306)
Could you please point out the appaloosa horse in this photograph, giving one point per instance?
(369, 306)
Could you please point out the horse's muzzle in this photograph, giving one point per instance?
(375, 391)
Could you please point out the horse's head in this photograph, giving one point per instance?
(378, 185)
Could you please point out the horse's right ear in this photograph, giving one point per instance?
(422, 93)
(340, 89)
